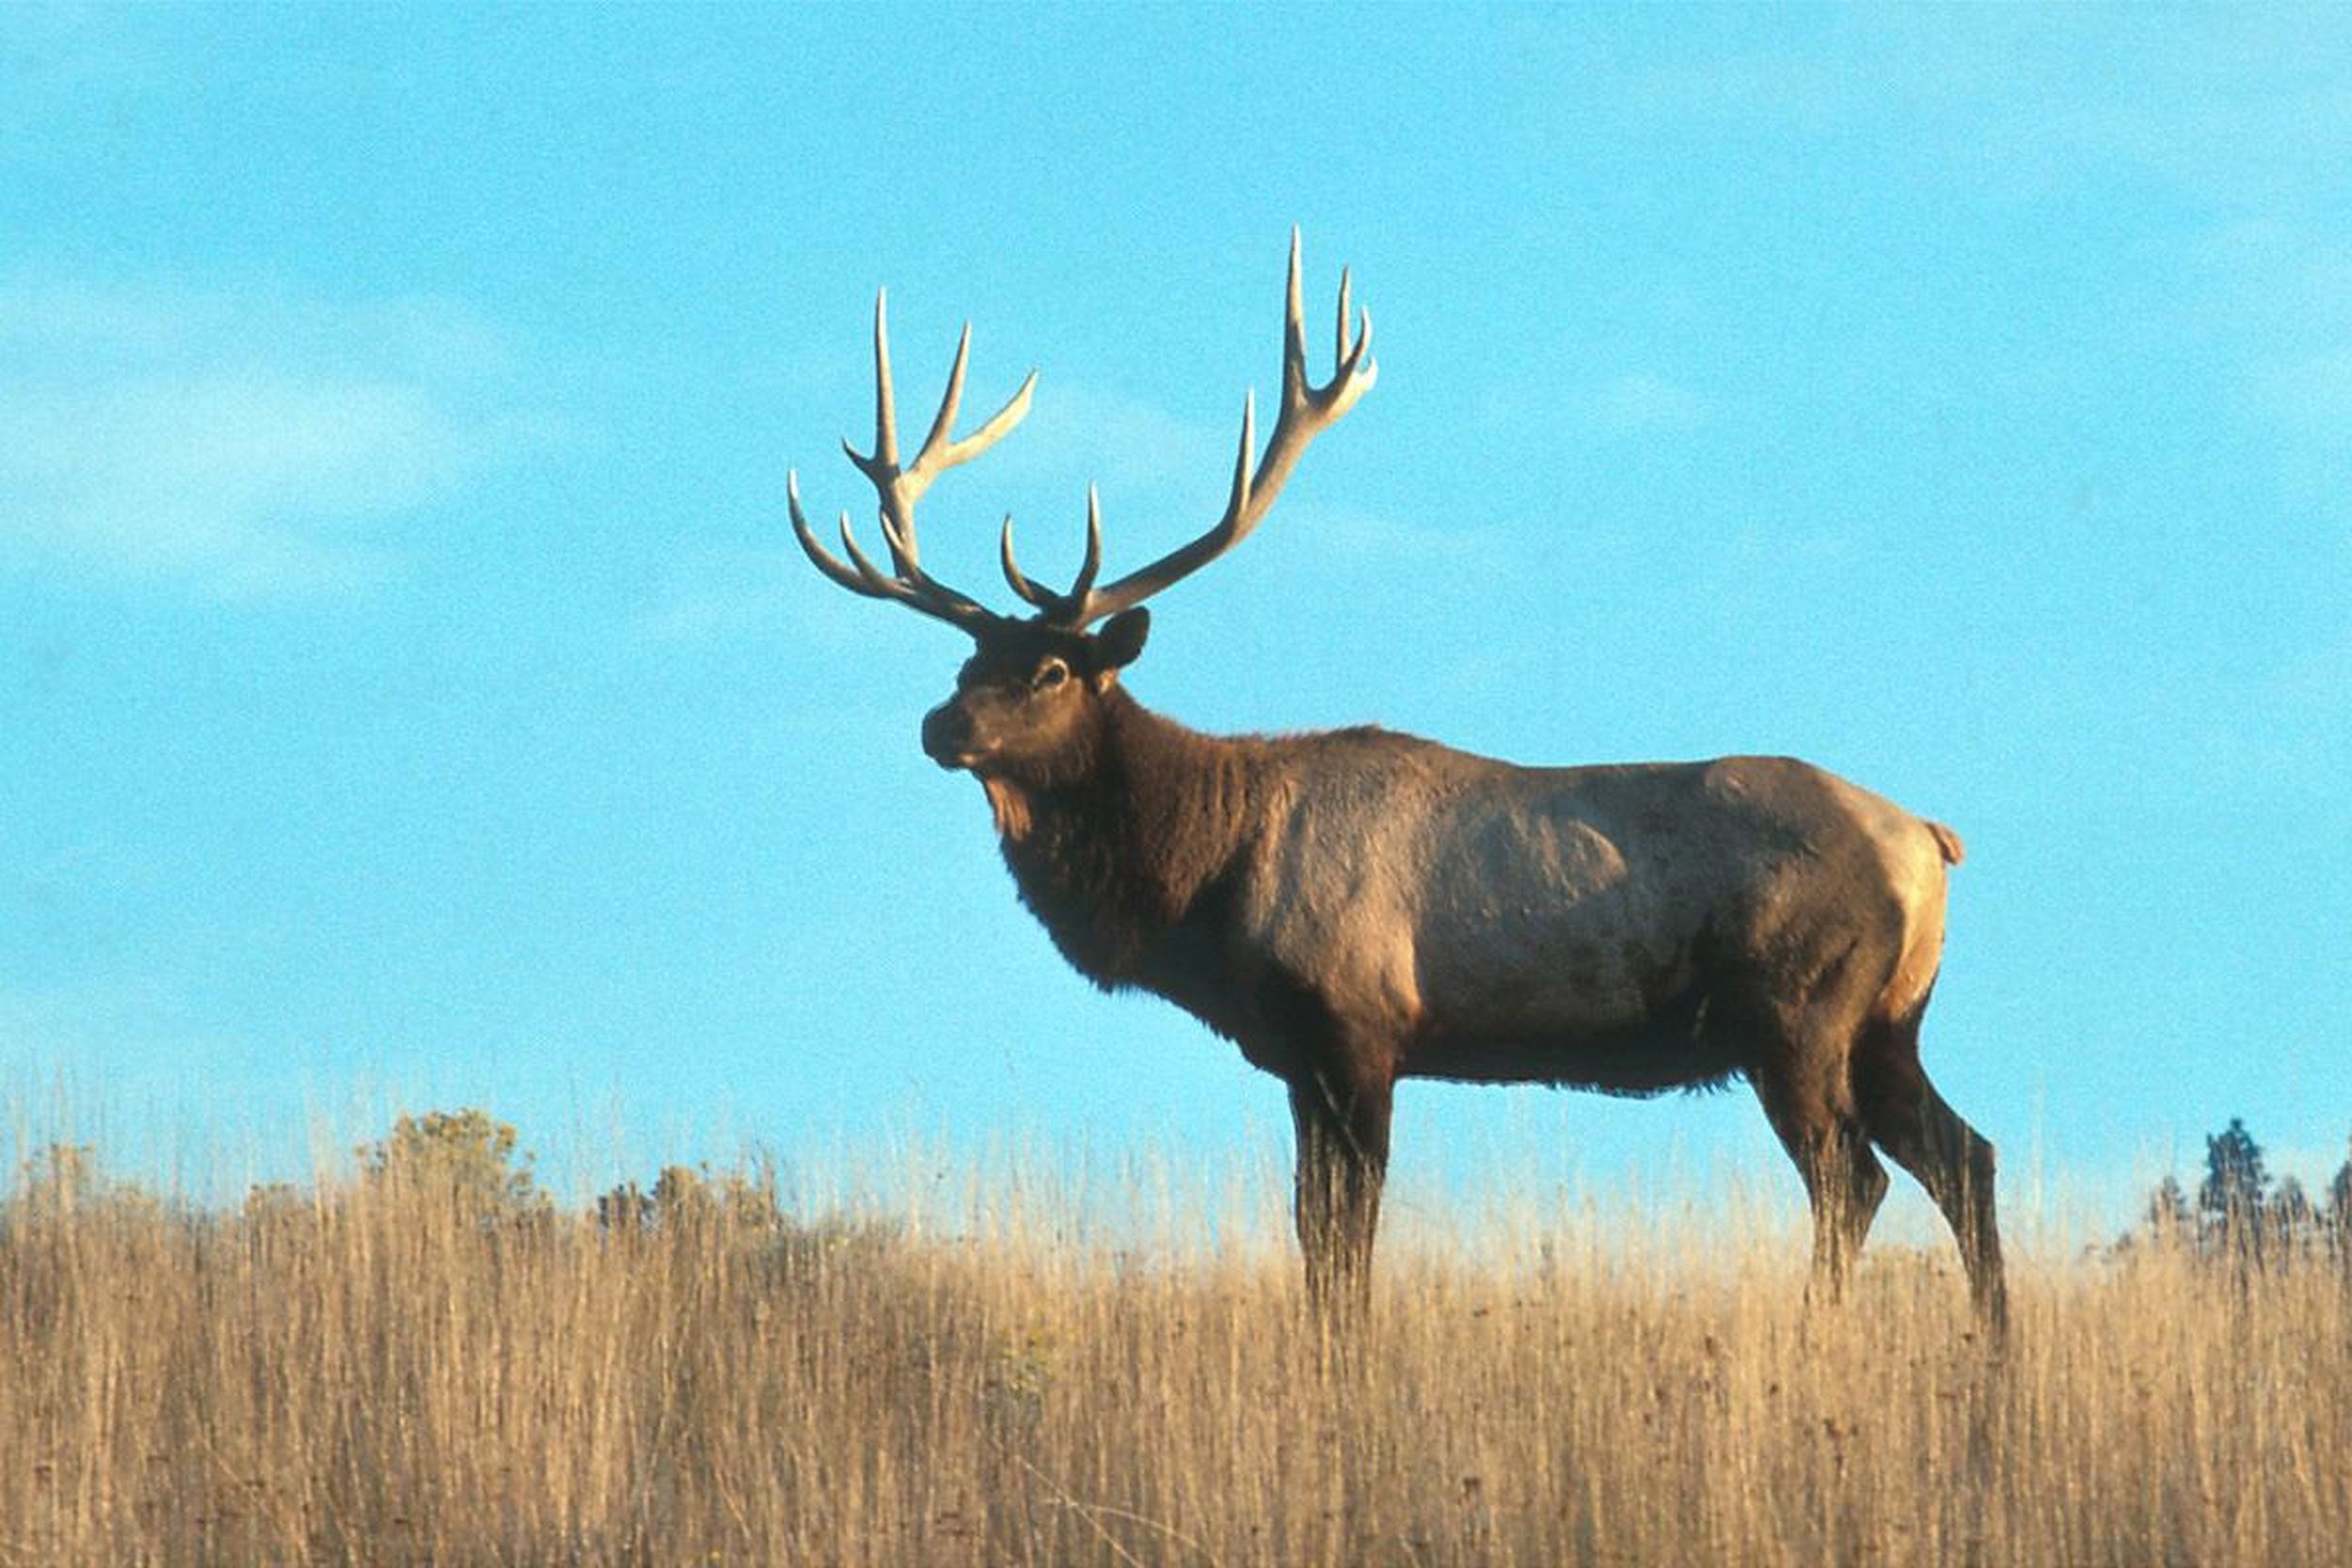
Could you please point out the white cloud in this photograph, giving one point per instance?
(1643, 403)
(2243, 107)
(71, 66)
(1080, 434)
(2241, 115)
(716, 594)
(2309, 392)
(1388, 542)
(241, 446)
(2282, 289)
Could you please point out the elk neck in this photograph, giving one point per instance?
(1124, 839)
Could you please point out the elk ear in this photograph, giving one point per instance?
(1120, 642)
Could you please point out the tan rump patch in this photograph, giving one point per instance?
(1922, 895)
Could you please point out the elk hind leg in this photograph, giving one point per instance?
(1907, 1119)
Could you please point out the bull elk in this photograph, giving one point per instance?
(1356, 907)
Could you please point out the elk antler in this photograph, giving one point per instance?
(899, 489)
(1307, 412)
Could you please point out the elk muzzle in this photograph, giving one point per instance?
(947, 738)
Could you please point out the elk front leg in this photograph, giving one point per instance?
(1342, 1124)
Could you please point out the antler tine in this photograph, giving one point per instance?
(898, 488)
(945, 420)
(914, 585)
(1294, 332)
(1093, 562)
(992, 431)
(1306, 411)
(1237, 501)
(1041, 599)
(941, 451)
(818, 556)
(1355, 377)
(886, 455)
(1059, 607)
(880, 468)
(879, 584)
(859, 575)
(1338, 337)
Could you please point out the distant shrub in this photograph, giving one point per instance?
(743, 1211)
(464, 1158)
(685, 1197)
(62, 1180)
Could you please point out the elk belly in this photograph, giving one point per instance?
(1542, 957)
(1547, 1003)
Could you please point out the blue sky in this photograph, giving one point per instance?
(411, 694)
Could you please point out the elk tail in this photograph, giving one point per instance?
(1947, 842)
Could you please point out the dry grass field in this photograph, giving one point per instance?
(370, 1372)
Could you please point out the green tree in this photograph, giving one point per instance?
(2234, 1200)
(2243, 1217)
(2292, 1221)
(2166, 1214)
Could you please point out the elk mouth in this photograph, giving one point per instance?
(948, 740)
(956, 759)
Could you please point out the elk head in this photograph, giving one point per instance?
(1027, 701)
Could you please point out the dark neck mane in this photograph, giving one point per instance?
(1120, 849)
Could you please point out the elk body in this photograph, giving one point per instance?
(1357, 907)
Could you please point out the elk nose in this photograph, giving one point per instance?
(948, 736)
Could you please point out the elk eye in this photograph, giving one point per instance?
(1049, 674)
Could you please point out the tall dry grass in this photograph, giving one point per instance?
(366, 1373)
